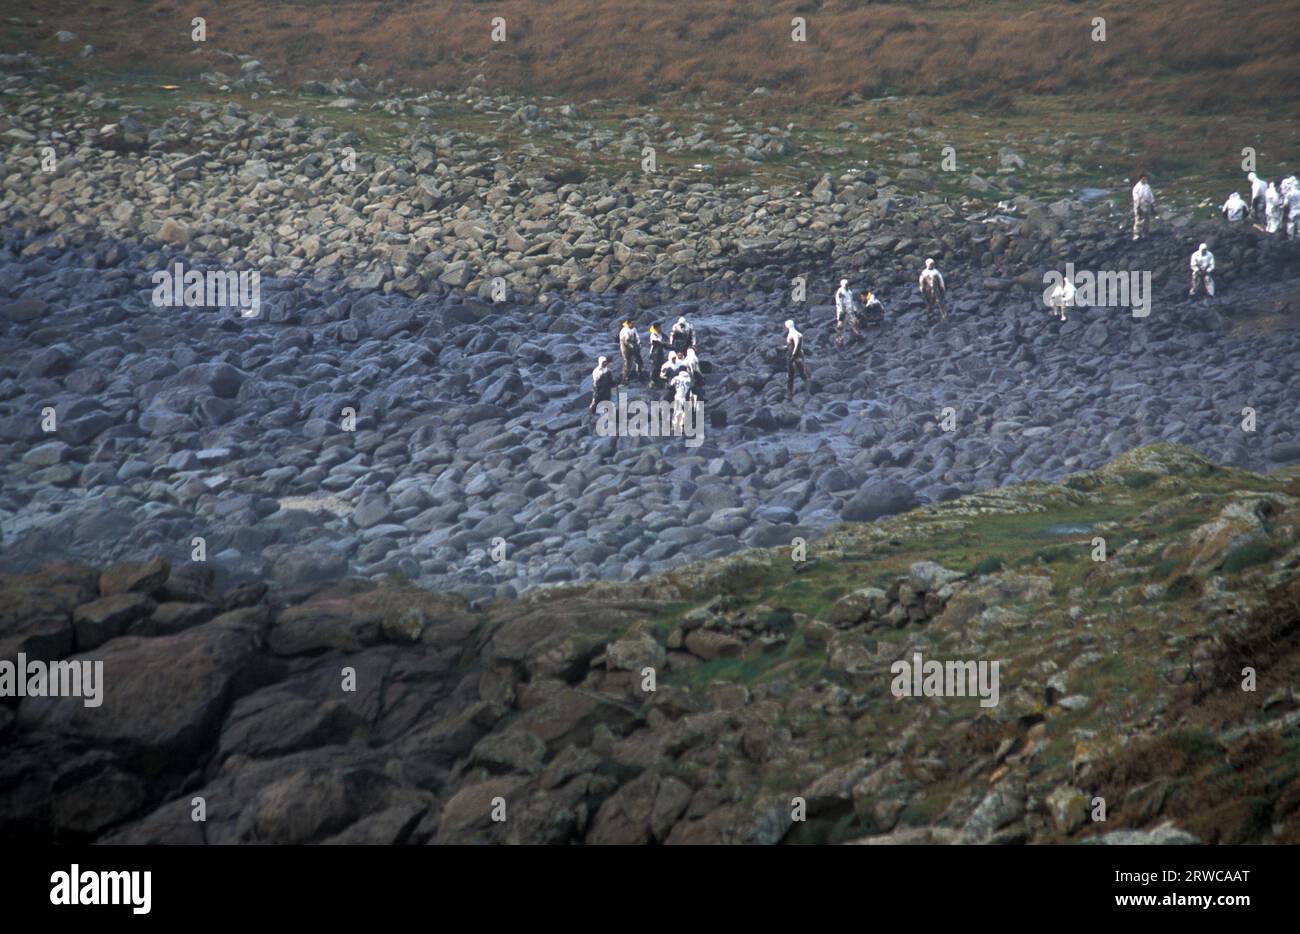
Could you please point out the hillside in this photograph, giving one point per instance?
(1199, 56)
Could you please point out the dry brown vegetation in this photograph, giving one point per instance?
(1196, 56)
(1221, 791)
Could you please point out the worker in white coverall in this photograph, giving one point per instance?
(1202, 267)
(1272, 208)
(1293, 212)
(843, 309)
(794, 362)
(692, 366)
(602, 383)
(1234, 209)
(934, 290)
(1062, 297)
(1257, 189)
(1288, 190)
(1144, 207)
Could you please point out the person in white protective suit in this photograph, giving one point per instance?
(1272, 208)
(843, 309)
(692, 366)
(1202, 267)
(680, 387)
(794, 362)
(1287, 189)
(602, 383)
(681, 336)
(674, 365)
(1144, 207)
(1291, 212)
(1234, 209)
(934, 290)
(1062, 297)
(1257, 189)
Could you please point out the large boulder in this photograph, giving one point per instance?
(134, 577)
(877, 499)
(220, 379)
(301, 570)
(107, 618)
(36, 609)
(162, 698)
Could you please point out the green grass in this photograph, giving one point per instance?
(666, 620)
(1057, 553)
(989, 565)
(1162, 569)
(983, 544)
(1248, 556)
(791, 660)
(926, 807)
(1135, 638)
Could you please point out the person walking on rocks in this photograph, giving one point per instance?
(657, 348)
(691, 364)
(669, 370)
(1291, 205)
(1258, 188)
(602, 383)
(794, 362)
(629, 346)
(1234, 209)
(1272, 208)
(933, 289)
(682, 336)
(1144, 207)
(843, 311)
(1202, 267)
(1287, 188)
(1062, 297)
(680, 392)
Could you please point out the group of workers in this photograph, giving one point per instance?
(679, 374)
(856, 312)
(674, 365)
(1275, 204)
(1273, 207)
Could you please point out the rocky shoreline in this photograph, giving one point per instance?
(175, 424)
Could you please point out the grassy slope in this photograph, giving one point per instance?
(1154, 637)
(1196, 56)
(1167, 92)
